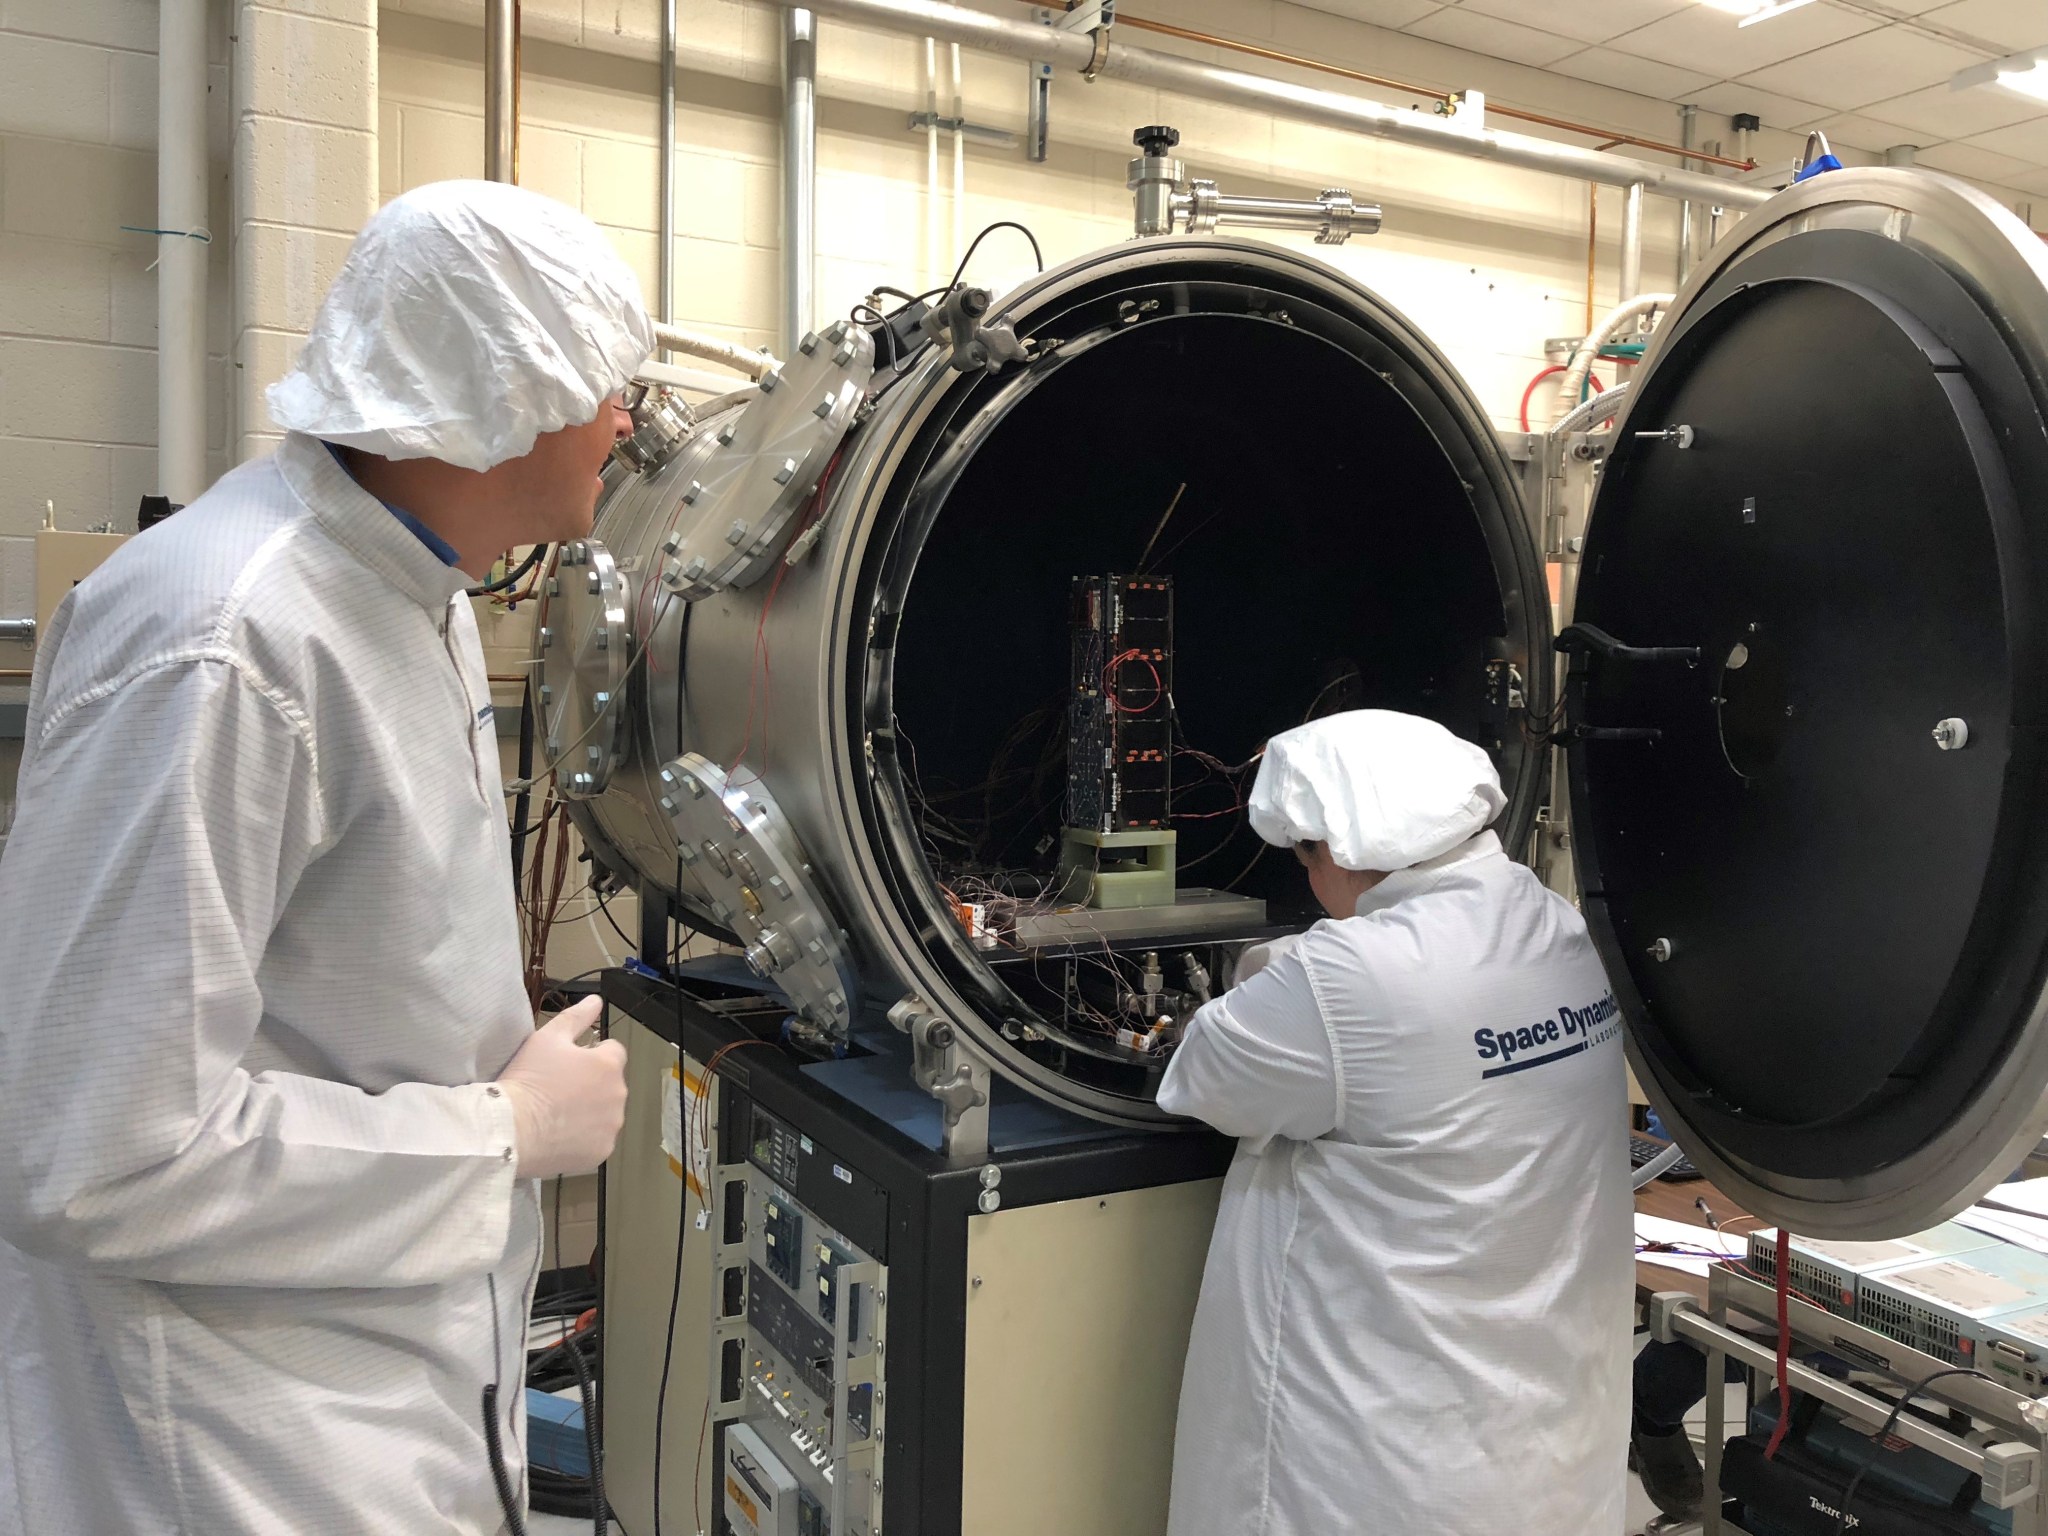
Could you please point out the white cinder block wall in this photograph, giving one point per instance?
(305, 179)
(78, 107)
(1489, 261)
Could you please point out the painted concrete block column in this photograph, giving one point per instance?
(305, 179)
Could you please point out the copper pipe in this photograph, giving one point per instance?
(1630, 139)
(1494, 109)
(15, 672)
(1592, 246)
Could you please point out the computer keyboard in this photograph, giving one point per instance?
(1642, 1148)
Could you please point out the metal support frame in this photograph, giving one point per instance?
(2011, 1468)
(1093, 17)
(799, 174)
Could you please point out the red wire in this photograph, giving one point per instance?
(1109, 683)
(1784, 1345)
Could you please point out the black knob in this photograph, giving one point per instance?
(1157, 141)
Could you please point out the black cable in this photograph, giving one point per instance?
(493, 1444)
(975, 244)
(881, 320)
(604, 901)
(1884, 1434)
(675, 1297)
(513, 577)
(588, 1394)
(523, 806)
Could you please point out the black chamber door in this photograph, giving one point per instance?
(1826, 927)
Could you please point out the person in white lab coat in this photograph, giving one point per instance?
(271, 1096)
(1415, 1315)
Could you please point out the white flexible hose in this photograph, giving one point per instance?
(713, 349)
(1589, 349)
(1657, 1165)
(1590, 411)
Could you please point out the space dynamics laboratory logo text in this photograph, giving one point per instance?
(1567, 1032)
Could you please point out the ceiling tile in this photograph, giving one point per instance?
(1854, 128)
(2037, 182)
(1942, 113)
(1603, 66)
(1589, 21)
(2009, 24)
(1982, 164)
(1379, 13)
(1703, 38)
(1861, 70)
(2023, 141)
(1729, 98)
(1499, 39)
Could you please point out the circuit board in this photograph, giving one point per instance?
(1120, 708)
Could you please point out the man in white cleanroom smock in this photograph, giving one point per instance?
(1415, 1316)
(271, 1096)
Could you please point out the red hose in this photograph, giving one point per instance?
(1530, 393)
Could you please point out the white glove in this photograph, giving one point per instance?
(1257, 957)
(568, 1100)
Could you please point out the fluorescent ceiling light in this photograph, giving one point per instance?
(2032, 81)
(2026, 73)
(1770, 11)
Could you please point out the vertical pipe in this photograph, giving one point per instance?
(932, 274)
(1687, 125)
(799, 173)
(181, 257)
(665, 257)
(1632, 241)
(959, 161)
(498, 72)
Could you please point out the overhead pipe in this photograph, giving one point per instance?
(1410, 88)
(1025, 41)
(799, 173)
(499, 69)
(183, 242)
